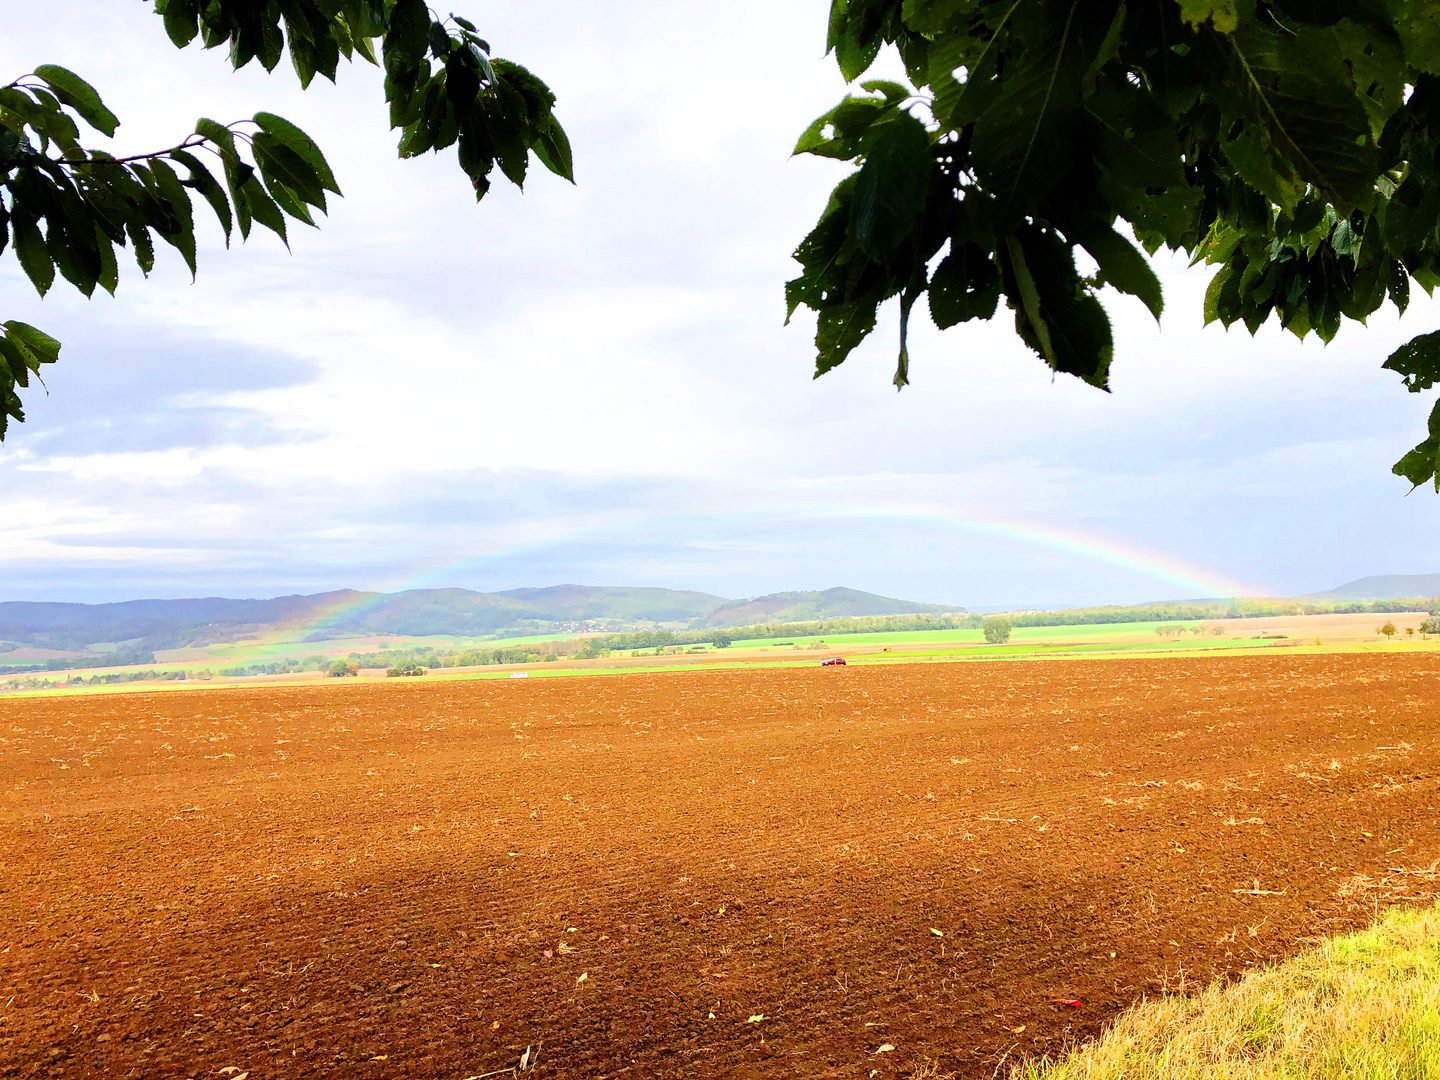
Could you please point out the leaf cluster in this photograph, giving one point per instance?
(441, 82)
(1291, 144)
(68, 208)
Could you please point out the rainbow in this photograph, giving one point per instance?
(1205, 584)
(1092, 546)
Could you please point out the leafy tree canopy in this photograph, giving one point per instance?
(68, 208)
(1292, 144)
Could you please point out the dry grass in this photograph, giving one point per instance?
(1365, 1005)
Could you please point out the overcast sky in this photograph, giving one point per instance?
(594, 383)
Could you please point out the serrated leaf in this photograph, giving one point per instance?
(1303, 87)
(14, 369)
(143, 245)
(109, 275)
(966, 286)
(209, 188)
(1418, 362)
(80, 96)
(182, 237)
(263, 208)
(890, 189)
(219, 134)
(279, 163)
(1057, 316)
(1027, 132)
(553, 150)
(45, 348)
(484, 61)
(1122, 266)
(408, 36)
(34, 257)
(1423, 462)
(439, 42)
(181, 22)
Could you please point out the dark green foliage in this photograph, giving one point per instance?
(68, 209)
(1292, 145)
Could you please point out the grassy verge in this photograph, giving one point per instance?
(1363, 1005)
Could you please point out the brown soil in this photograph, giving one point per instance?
(423, 879)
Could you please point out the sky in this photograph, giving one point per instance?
(594, 383)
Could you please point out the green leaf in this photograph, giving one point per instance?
(854, 36)
(109, 276)
(1305, 97)
(1122, 266)
(890, 190)
(1266, 173)
(181, 21)
(1423, 462)
(553, 150)
(408, 37)
(202, 181)
(291, 136)
(14, 369)
(1057, 316)
(237, 175)
(182, 237)
(34, 257)
(80, 96)
(220, 135)
(263, 208)
(279, 164)
(439, 42)
(41, 345)
(966, 286)
(1418, 361)
(144, 246)
(839, 329)
(1024, 137)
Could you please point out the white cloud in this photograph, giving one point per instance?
(593, 383)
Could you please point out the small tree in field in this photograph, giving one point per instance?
(1389, 630)
(997, 629)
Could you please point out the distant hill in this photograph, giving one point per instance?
(168, 624)
(809, 606)
(466, 613)
(1383, 587)
(582, 602)
(161, 624)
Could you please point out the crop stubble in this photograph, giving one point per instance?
(365, 879)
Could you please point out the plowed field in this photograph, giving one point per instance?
(777, 873)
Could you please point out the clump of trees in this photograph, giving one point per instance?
(1175, 629)
(341, 669)
(403, 671)
(997, 629)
